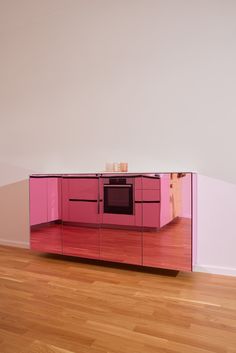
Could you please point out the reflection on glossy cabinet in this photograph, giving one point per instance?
(81, 241)
(45, 214)
(136, 219)
(121, 245)
(169, 247)
(170, 244)
(46, 238)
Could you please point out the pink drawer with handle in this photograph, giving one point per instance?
(84, 188)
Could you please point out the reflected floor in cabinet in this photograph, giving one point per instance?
(168, 247)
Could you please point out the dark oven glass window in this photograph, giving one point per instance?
(118, 199)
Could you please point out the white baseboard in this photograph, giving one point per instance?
(228, 271)
(17, 244)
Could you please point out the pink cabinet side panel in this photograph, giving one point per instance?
(38, 201)
(83, 212)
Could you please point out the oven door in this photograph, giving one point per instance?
(118, 199)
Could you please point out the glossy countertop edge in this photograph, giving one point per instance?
(107, 174)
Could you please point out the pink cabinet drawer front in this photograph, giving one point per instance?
(118, 219)
(151, 195)
(147, 195)
(151, 183)
(82, 212)
(83, 188)
(151, 215)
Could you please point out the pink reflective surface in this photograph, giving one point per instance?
(81, 241)
(45, 214)
(170, 245)
(80, 216)
(47, 238)
(38, 201)
(68, 216)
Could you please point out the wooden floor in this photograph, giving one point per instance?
(52, 304)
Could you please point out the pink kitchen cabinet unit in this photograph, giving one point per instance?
(140, 219)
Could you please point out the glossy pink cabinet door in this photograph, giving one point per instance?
(121, 245)
(83, 212)
(82, 241)
(169, 245)
(38, 201)
(44, 200)
(80, 217)
(151, 215)
(45, 232)
(151, 207)
(47, 238)
(82, 188)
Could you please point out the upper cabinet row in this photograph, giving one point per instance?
(139, 219)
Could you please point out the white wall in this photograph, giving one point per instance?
(152, 82)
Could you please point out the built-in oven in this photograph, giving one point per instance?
(118, 196)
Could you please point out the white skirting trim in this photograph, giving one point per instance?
(17, 244)
(228, 271)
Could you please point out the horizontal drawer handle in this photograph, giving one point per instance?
(154, 201)
(83, 200)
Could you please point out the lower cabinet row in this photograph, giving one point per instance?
(150, 248)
